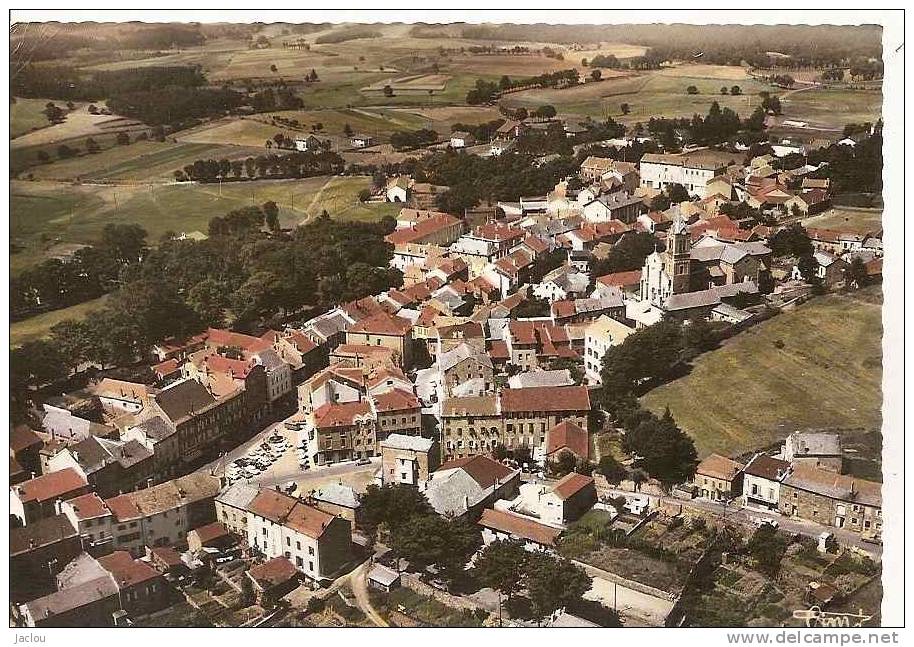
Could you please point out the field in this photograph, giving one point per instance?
(79, 123)
(138, 162)
(751, 393)
(832, 108)
(658, 93)
(853, 219)
(39, 326)
(27, 115)
(49, 213)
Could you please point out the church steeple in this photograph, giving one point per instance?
(678, 257)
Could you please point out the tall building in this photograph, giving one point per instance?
(668, 272)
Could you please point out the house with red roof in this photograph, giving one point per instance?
(38, 498)
(386, 331)
(317, 544)
(141, 588)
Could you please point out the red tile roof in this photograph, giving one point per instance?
(499, 350)
(620, 279)
(166, 368)
(423, 229)
(123, 508)
(571, 484)
(89, 506)
(396, 400)
(570, 436)
(126, 570)
(519, 527)
(382, 324)
(167, 555)
(545, 398)
(308, 521)
(719, 467)
(56, 485)
(340, 414)
(301, 341)
(222, 337)
(272, 573)
(498, 232)
(22, 437)
(211, 531)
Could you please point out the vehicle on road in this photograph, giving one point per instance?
(363, 461)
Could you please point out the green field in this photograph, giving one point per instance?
(27, 115)
(854, 219)
(661, 93)
(48, 213)
(832, 107)
(750, 393)
(39, 326)
(140, 161)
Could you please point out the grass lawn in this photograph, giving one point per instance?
(47, 213)
(39, 326)
(750, 393)
(853, 219)
(429, 611)
(27, 115)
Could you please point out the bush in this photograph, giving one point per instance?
(316, 605)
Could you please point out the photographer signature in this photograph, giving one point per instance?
(815, 617)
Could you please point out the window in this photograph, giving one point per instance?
(310, 566)
(288, 541)
(299, 561)
(298, 545)
(310, 550)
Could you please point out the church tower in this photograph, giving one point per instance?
(677, 262)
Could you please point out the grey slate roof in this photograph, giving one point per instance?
(402, 441)
(451, 358)
(337, 494)
(183, 398)
(238, 495)
(541, 378)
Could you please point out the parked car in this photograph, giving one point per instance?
(363, 461)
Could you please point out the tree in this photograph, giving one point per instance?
(43, 157)
(273, 68)
(391, 506)
(553, 583)
(625, 108)
(364, 195)
(767, 547)
(564, 464)
(501, 565)
(791, 241)
(545, 112)
(209, 299)
(38, 362)
(611, 469)
(65, 152)
(677, 193)
(499, 452)
(431, 540)
(736, 91)
(388, 91)
(347, 130)
(596, 75)
(857, 275)
(72, 340)
(699, 336)
(122, 138)
(808, 267)
(91, 146)
(724, 90)
(660, 202)
(663, 450)
(271, 215)
(692, 90)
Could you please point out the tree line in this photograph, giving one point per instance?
(297, 164)
(487, 91)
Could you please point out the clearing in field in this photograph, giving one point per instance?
(79, 123)
(815, 367)
(619, 50)
(412, 83)
(514, 66)
(857, 220)
(698, 71)
(44, 214)
(39, 326)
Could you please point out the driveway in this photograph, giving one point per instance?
(358, 580)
